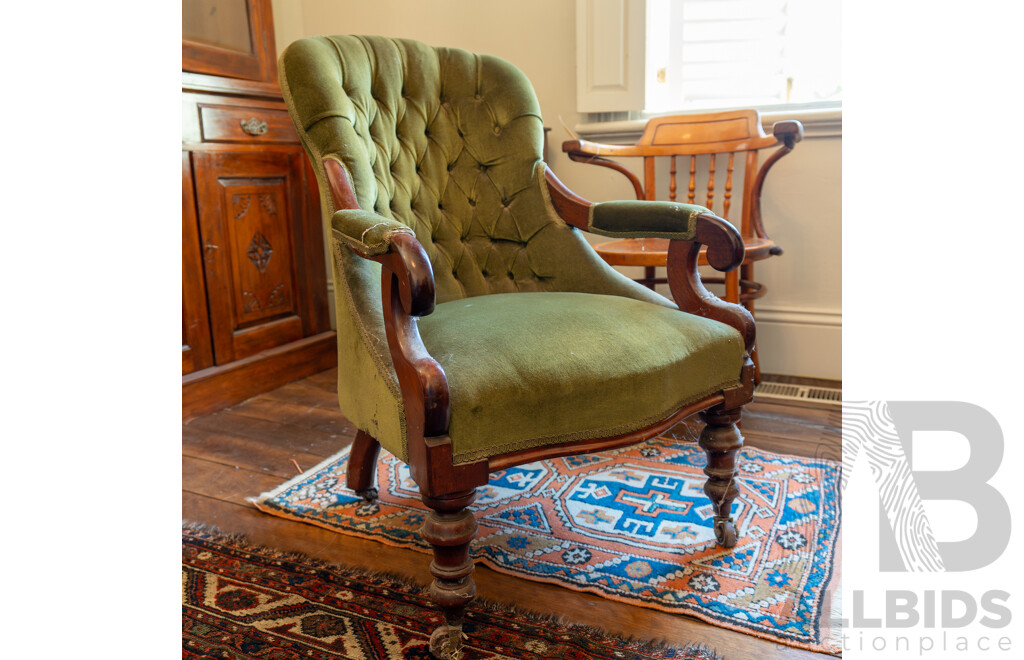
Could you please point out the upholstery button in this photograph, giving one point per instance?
(497, 130)
(472, 202)
(478, 97)
(511, 276)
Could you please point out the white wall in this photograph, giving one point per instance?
(799, 320)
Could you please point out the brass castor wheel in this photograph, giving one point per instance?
(444, 645)
(370, 494)
(725, 532)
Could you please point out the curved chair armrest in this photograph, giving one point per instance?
(366, 232)
(407, 291)
(585, 148)
(724, 252)
(581, 151)
(407, 288)
(625, 219)
(788, 133)
(395, 247)
(643, 219)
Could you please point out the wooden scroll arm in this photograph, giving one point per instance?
(725, 252)
(407, 289)
(788, 133)
(582, 151)
(570, 207)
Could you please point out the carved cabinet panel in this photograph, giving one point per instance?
(250, 206)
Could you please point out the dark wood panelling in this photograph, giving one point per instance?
(257, 64)
(218, 387)
(254, 279)
(196, 344)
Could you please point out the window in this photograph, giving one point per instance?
(659, 56)
(720, 53)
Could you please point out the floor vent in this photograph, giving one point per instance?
(791, 392)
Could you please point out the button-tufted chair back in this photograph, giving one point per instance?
(444, 141)
(448, 143)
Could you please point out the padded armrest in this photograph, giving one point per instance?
(366, 232)
(642, 219)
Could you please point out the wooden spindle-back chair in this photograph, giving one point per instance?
(713, 149)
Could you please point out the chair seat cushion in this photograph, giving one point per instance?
(532, 369)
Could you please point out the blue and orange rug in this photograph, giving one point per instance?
(631, 525)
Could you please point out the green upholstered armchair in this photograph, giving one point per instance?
(477, 329)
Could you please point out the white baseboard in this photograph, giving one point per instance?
(800, 342)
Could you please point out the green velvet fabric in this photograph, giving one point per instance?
(448, 144)
(366, 231)
(636, 218)
(531, 369)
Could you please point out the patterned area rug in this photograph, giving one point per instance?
(242, 602)
(631, 525)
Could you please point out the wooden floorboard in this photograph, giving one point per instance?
(254, 446)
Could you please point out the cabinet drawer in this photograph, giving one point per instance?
(221, 123)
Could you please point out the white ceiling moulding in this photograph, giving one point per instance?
(817, 122)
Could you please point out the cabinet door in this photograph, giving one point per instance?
(196, 347)
(233, 38)
(251, 215)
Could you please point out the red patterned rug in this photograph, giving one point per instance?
(242, 602)
(632, 525)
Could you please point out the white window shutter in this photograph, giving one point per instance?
(610, 55)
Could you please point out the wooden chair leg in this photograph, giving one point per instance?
(721, 440)
(732, 286)
(650, 272)
(362, 466)
(449, 528)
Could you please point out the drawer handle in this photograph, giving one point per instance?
(254, 126)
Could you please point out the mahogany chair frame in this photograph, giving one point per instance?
(448, 489)
(732, 133)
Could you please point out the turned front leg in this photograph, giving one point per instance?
(721, 440)
(362, 466)
(449, 528)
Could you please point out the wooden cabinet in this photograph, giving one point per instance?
(231, 38)
(254, 283)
